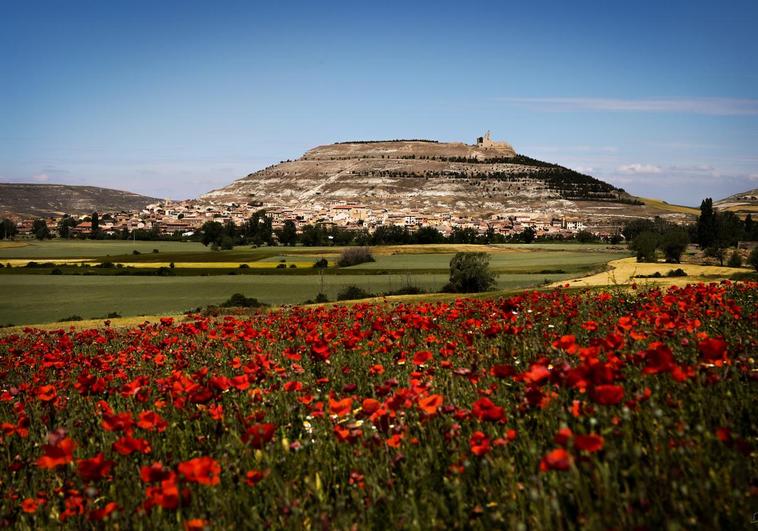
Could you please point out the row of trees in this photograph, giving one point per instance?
(714, 232)
(258, 231)
(722, 229)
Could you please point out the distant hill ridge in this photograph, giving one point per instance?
(42, 200)
(424, 175)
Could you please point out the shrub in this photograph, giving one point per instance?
(585, 236)
(321, 298)
(281, 266)
(753, 258)
(470, 273)
(244, 266)
(735, 260)
(135, 252)
(238, 300)
(406, 290)
(56, 271)
(354, 256)
(155, 251)
(678, 272)
(321, 263)
(71, 318)
(352, 293)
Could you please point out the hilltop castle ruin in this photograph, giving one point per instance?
(487, 142)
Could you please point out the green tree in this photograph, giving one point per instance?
(751, 228)
(644, 245)
(7, 229)
(426, 235)
(753, 259)
(65, 225)
(95, 225)
(212, 232)
(288, 233)
(674, 243)
(40, 230)
(528, 235)
(707, 232)
(470, 273)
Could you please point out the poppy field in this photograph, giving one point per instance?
(545, 410)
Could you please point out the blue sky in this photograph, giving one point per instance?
(173, 99)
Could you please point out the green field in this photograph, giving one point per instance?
(36, 296)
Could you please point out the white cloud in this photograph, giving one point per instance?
(41, 178)
(636, 169)
(711, 106)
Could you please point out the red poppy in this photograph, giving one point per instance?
(589, 443)
(421, 357)
(479, 444)
(202, 470)
(59, 453)
(558, 459)
(95, 468)
(127, 445)
(608, 394)
(151, 421)
(563, 436)
(370, 406)
(103, 513)
(485, 409)
(258, 435)
(253, 477)
(340, 407)
(430, 404)
(658, 358)
(155, 473)
(165, 495)
(713, 350)
(196, 524)
(30, 505)
(46, 393)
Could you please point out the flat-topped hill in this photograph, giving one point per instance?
(422, 175)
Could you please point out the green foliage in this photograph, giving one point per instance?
(287, 235)
(354, 256)
(585, 236)
(735, 260)
(238, 300)
(7, 229)
(470, 273)
(644, 246)
(65, 225)
(528, 235)
(211, 231)
(753, 258)
(40, 230)
(674, 244)
(353, 292)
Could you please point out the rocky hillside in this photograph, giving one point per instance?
(54, 199)
(740, 203)
(423, 175)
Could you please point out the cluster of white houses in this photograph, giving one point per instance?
(187, 217)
